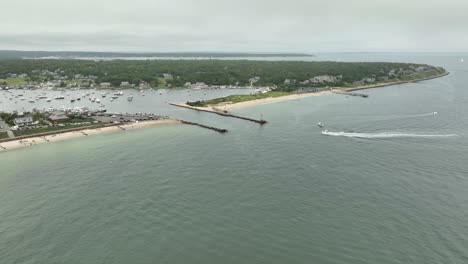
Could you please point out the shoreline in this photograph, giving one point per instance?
(269, 100)
(33, 140)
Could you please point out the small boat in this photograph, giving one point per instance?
(48, 99)
(130, 98)
(320, 124)
(72, 100)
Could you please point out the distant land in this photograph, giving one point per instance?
(284, 76)
(15, 54)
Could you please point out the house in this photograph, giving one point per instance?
(124, 84)
(23, 121)
(105, 84)
(58, 116)
(199, 85)
(420, 69)
(324, 79)
(85, 84)
(167, 75)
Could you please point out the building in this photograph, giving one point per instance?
(23, 121)
(85, 84)
(57, 117)
(105, 84)
(199, 85)
(325, 79)
(124, 84)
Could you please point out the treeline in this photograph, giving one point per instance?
(211, 72)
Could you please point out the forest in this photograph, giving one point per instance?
(285, 75)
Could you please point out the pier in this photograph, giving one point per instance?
(352, 94)
(261, 121)
(220, 130)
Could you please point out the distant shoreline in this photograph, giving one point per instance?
(32, 140)
(29, 54)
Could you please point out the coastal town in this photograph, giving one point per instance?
(59, 80)
(33, 90)
(23, 124)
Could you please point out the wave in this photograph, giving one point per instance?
(384, 135)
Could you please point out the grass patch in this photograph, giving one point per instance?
(13, 81)
(232, 99)
(3, 135)
(19, 133)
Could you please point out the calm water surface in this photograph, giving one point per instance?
(389, 187)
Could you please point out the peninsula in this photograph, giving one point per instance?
(283, 76)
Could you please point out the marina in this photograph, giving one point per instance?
(150, 100)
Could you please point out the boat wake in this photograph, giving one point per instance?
(395, 117)
(421, 115)
(383, 135)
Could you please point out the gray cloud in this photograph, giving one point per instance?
(219, 25)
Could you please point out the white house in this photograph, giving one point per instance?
(23, 121)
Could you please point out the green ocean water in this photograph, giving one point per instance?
(388, 186)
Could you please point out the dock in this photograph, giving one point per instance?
(220, 130)
(261, 121)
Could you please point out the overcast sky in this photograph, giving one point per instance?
(235, 25)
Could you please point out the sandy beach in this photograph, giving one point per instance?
(269, 100)
(32, 141)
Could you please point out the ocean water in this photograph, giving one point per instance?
(388, 184)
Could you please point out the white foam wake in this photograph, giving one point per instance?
(394, 117)
(383, 135)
